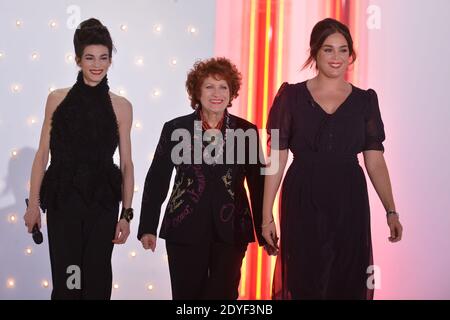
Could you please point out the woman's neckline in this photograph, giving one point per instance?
(321, 108)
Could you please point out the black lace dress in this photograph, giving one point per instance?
(325, 234)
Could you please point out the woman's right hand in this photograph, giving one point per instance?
(149, 241)
(32, 216)
(269, 232)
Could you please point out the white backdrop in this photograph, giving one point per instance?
(157, 42)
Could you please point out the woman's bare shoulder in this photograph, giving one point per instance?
(55, 98)
(119, 101)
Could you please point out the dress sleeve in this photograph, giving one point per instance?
(280, 118)
(374, 136)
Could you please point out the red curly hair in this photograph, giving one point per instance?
(219, 68)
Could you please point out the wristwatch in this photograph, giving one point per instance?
(127, 214)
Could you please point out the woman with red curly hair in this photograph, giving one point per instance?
(208, 222)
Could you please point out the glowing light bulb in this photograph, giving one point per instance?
(157, 28)
(150, 287)
(192, 30)
(173, 62)
(123, 27)
(139, 61)
(136, 189)
(10, 283)
(14, 154)
(138, 125)
(12, 218)
(16, 88)
(31, 121)
(19, 23)
(51, 89)
(28, 251)
(133, 254)
(34, 56)
(70, 58)
(44, 283)
(1, 55)
(122, 92)
(156, 93)
(53, 24)
(116, 286)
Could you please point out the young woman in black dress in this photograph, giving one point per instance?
(82, 188)
(325, 248)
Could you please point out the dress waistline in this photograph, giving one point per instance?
(325, 158)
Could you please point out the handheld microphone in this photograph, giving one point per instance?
(36, 233)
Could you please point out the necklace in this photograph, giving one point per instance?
(205, 124)
(222, 126)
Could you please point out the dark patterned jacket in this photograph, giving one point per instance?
(204, 195)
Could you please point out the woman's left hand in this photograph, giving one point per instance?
(395, 227)
(269, 233)
(122, 232)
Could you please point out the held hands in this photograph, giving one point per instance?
(32, 216)
(395, 227)
(122, 232)
(269, 233)
(149, 241)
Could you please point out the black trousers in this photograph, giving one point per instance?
(80, 242)
(209, 270)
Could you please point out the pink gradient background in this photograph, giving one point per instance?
(407, 63)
